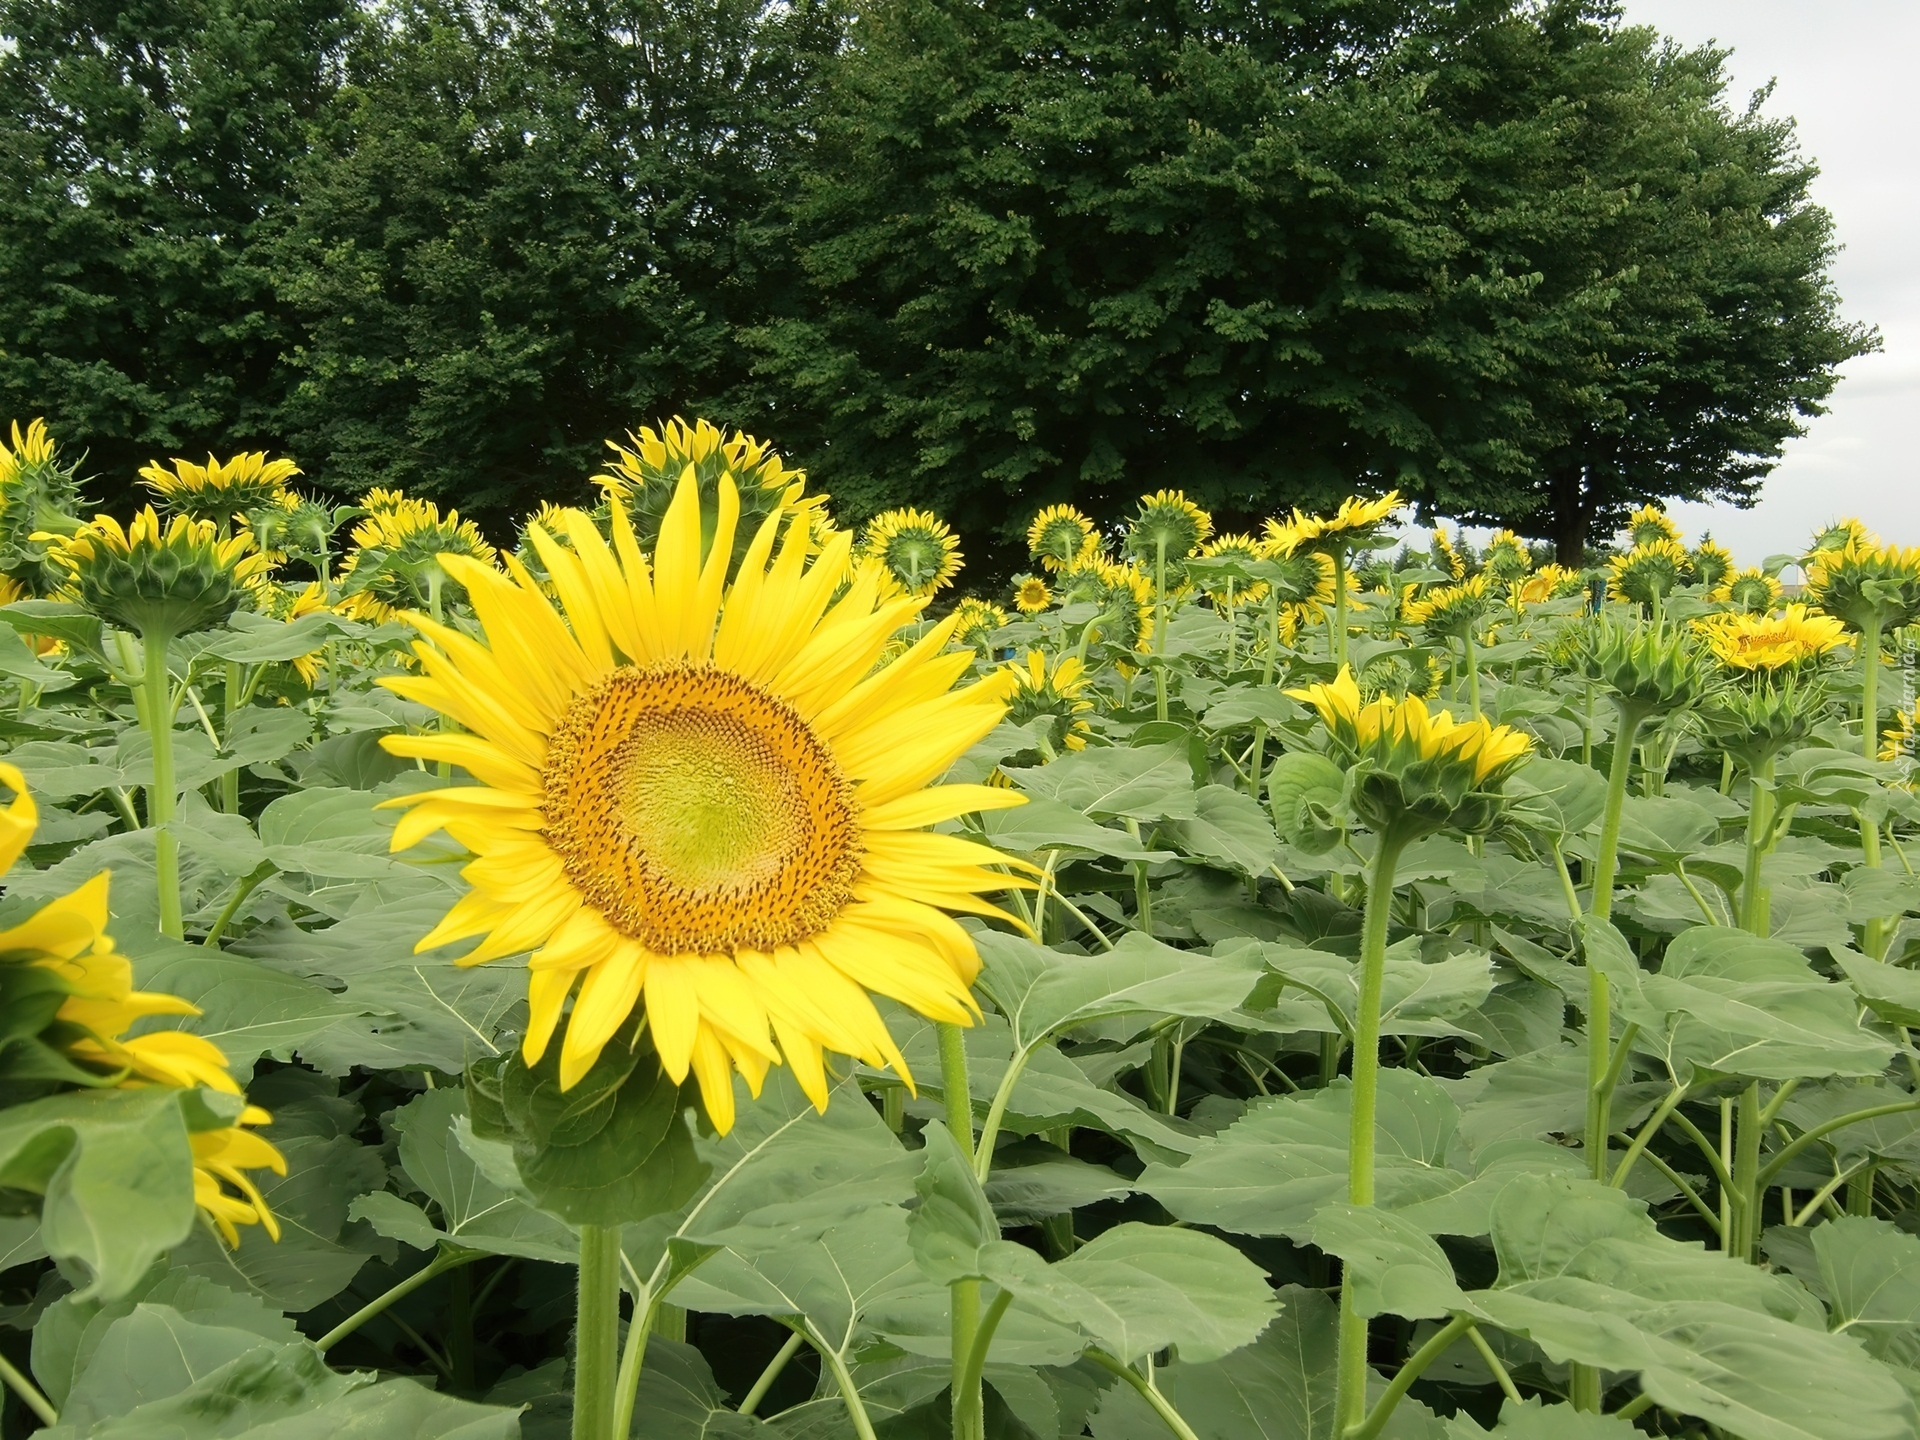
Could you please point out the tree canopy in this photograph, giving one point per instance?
(1524, 263)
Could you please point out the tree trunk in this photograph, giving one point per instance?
(1569, 516)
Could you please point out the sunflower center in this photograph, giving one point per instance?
(699, 813)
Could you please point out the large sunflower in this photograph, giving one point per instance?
(707, 803)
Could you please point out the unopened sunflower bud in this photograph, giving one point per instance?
(1651, 669)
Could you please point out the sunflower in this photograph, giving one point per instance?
(1651, 523)
(1870, 586)
(1167, 526)
(1347, 529)
(1055, 694)
(219, 491)
(396, 560)
(1840, 534)
(707, 804)
(1751, 590)
(1124, 596)
(975, 621)
(283, 602)
(1304, 579)
(1506, 556)
(1445, 556)
(38, 498)
(158, 580)
(1549, 582)
(1452, 611)
(1228, 592)
(1899, 742)
(1647, 573)
(80, 989)
(1057, 536)
(1030, 594)
(915, 548)
(1711, 562)
(1771, 642)
(646, 475)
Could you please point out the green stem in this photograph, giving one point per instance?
(1567, 889)
(633, 1359)
(965, 1294)
(1339, 606)
(1755, 918)
(28, 1392)
(1415, 1366)
(444, 1261)
(1808, 1137)
(1617, 773)
(1746, 1173)
(1159, 629)
(772, 1373)
(1351, 1401)
(245, 888)
(1159, 1403)
(1507, 1387)
(1473, 674)
(1647, 1132)
(161, 796)
(1870, 688)
(990, 1127)
(977, 1357)
(596, 1362)
(843, 1381)
(230, 782)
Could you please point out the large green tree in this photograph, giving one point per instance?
(532, 227)
(145, 148)
(1060, 250)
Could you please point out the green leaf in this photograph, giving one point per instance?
(678, 1399)
(1239, 706)
(57, 620)
(1417, 997)
(1394, 1267)
(1534, 1419)
(114, 1175)
(615, 1150)
(256, 639)
(1870, 1270)
(1890, 991)
(330, 832)
(1152, 783)
(1302, 788)
(1230, 830)
(246, 1008)
(1560, 797)
(954, 1220)
(1031, 1179)
(475, 1213)
(1042, 824)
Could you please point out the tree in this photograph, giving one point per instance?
(144, 149)
(532, 228)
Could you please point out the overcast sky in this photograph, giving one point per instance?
(1845, 72)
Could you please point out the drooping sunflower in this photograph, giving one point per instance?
(1752, 591)
(915, 548)
(707, 804)
(1506, 557)
(1445, 556)
(1711, 562)
(39, 497)
(69, 1003)
(1452, 611)
(1650, 523)
(1057, 536)
(646, 475)
(1030, 594)
(158, 579)
(218, 491)
(1647, 573)
(1795, 637)
(396, 561)
(1304, 579)
(1055, 693)
(975, 621)
(1168, 526)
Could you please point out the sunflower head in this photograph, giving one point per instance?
(1412, 770)
(1649, 669)
(1647, 573)
(1354, 526)
(1506, 557)
(38, 498)
(1650, 523)
(1841, 534)
(1866, 585)
(646, 472)
(217, 490)
(1445, 555)
(1124, 596)
(1393, 674)
(1767, 713)
(158, 579)
(1711, 563)
(1792, 640)
(1233, 582)
(1899, 742)
(396, 560)
(1055, 693)
(705, 805)
(1751, 591)
(1452, 612)
(915, 547)
(1549, 582)
(974, 623)
(1057, 536)
(69, 999)
(1030, 594)
(1168, 525)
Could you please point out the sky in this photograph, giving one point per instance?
(1843, 69)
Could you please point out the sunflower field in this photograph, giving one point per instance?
(702, 973)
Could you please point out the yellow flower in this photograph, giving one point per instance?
(1841, 534)
(1057, 536)
(1651, 523)
(709, 803)
(159, 580)
(1355, 520)
(1866, 585)
(38, 496)
(217, 491)
(1235, 547)
(68, 939)
(1771, 642)
(1646, 572)
(646, 476)
(1030, 595)
(975, 621)
(1452, 611)
(395, 563)
(1751, 590)
(1125, 596)
(1445, 555)
(1167, 526)
(1711, 562)
(1506, 556)
(1549, 582)
(1055, 694)
(1898, 743)
(915, 547)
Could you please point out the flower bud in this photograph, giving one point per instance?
(158, 580)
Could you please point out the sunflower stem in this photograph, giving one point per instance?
(1473, 674)
(958, 1096)
(772, 1373)
(1754, 909)
(230, 782)
(161, 798)
(1351, 1400)
(596, 1358)
(28, 1392)
(1339, 605)
(1160, 628)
